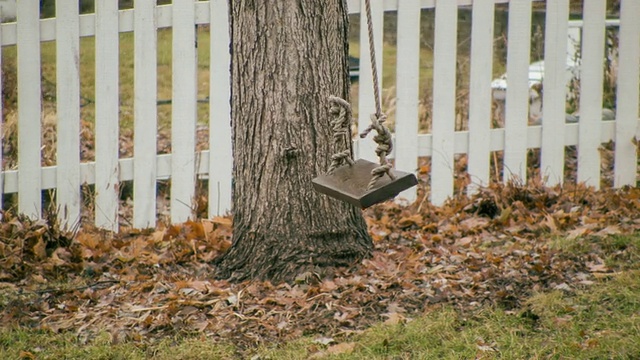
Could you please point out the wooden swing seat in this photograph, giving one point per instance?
(349, 183)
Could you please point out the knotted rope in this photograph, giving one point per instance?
(383, 136)
(340, 111)
(385, 145)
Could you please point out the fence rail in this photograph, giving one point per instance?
(184, 164)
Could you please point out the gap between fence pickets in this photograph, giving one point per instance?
(163, 161)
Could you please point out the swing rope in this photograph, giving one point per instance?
(383, 136)
(341, 112)
(372, 56)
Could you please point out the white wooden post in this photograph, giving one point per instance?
(407, 83)
(184, 110)
(626, 157)
(480, 94)
(29, 109)
(68, 111)
(591, 78)
(555, 92)
(366, 98)
(220, 154)
(107, 114)
(444, 100)
(517, 106)
(145, 114)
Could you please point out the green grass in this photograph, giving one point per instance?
(388, 76)
(622, 251)
(597, 321)
(25, 344)
(600, 322)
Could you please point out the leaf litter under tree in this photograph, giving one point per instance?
(141, 286)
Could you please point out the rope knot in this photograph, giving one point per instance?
(340, 110)
(385, 145)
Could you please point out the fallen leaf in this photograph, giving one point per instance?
(222, 221)
(593, 267)
(410, 221)
(26, 355)
(323, 340)
(394, 319)
(343, 348)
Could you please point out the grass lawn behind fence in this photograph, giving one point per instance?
(164, 66)
(87, 75)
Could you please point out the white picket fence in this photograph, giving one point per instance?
(184, 165)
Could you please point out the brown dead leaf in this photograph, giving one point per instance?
(474, 223)
(394, 319)
(577, 232)
(600, 267)
(39, 249)
(550, 222)
(410, 221)
(26, 355)
(158, 236)
(88, 240)
(464, 242)
(222, 221)
(342, 348)
(195, 230)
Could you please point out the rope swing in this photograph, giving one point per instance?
(383, 137)
(344, 178)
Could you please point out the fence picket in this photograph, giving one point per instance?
(407, 83)
(366, 99)
(107, 114)
(517, 106)
(555, 91)
(145, 115)
(68, 111)
(444, 100)
(591, 79)
(221, 155)
(29, 108)
(184, 110)
(626, 157)
(185, 164)
(480, 93)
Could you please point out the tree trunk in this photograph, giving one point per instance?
(288, 56)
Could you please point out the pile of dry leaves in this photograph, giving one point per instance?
(491, 248)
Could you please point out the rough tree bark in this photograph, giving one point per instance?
(288, 56)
